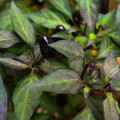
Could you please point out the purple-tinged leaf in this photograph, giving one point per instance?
(70, 49)
(21, 25)
(7, 39)
(26, 100)
(110, 67)
(3, 101)
(89, 11)
(51, 65)
(61, 81)
(85, 114)
(9, 62)
(111, 108)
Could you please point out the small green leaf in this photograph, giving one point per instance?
(115, 35)
(21, 25)
(116, 82)
(85, 114)
(26, 100)
(48, 18)
(81, 39)
(110, 67)
(89, 11)
(70, 49)
(92, 38)
(7, 39)
(86, 92)
(63, 6)
(105, 47)
(11, 115)
(111, 108)
(3, 101)
(60, 81)
(51, 65)
(9, 62)
(107, 20)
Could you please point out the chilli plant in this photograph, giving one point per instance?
(47, 61)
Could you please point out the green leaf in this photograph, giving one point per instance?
(9, 62)
(51, 65)
(26, 100)
(107, 20)
(63, 6)
(92, 38)
(89, 11)
(7, 39)
(76, 65)
(115, 35)
(5, 21)
(116, 82)
(85, 114)
(106, 45)
(118, 17)
(60, 81)
(96, 105)
(111, 108)
(86, 92)
(49, 103)
(11, 115)
(21, 25)
(48, 18)
(70, 49)
(110, 67)
(81, 39)
(3, 101)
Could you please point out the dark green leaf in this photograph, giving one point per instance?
(111, 108)
(9, 62)
(48, 18)
(90, 11)
(116, 82)
(7, 39)
(60, 81)
(70, 49)
(107, 20)
(3, 101)
(11, 115)
(96, 105)
(49, 103)
(85, 114)
(26, 100)
(51, 65)
(63, 6)
(110, 67)
(5, 21)
(22, 26)
(115, 35)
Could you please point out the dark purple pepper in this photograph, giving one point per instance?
(59, 28)
(46, 51)
(39, 2)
